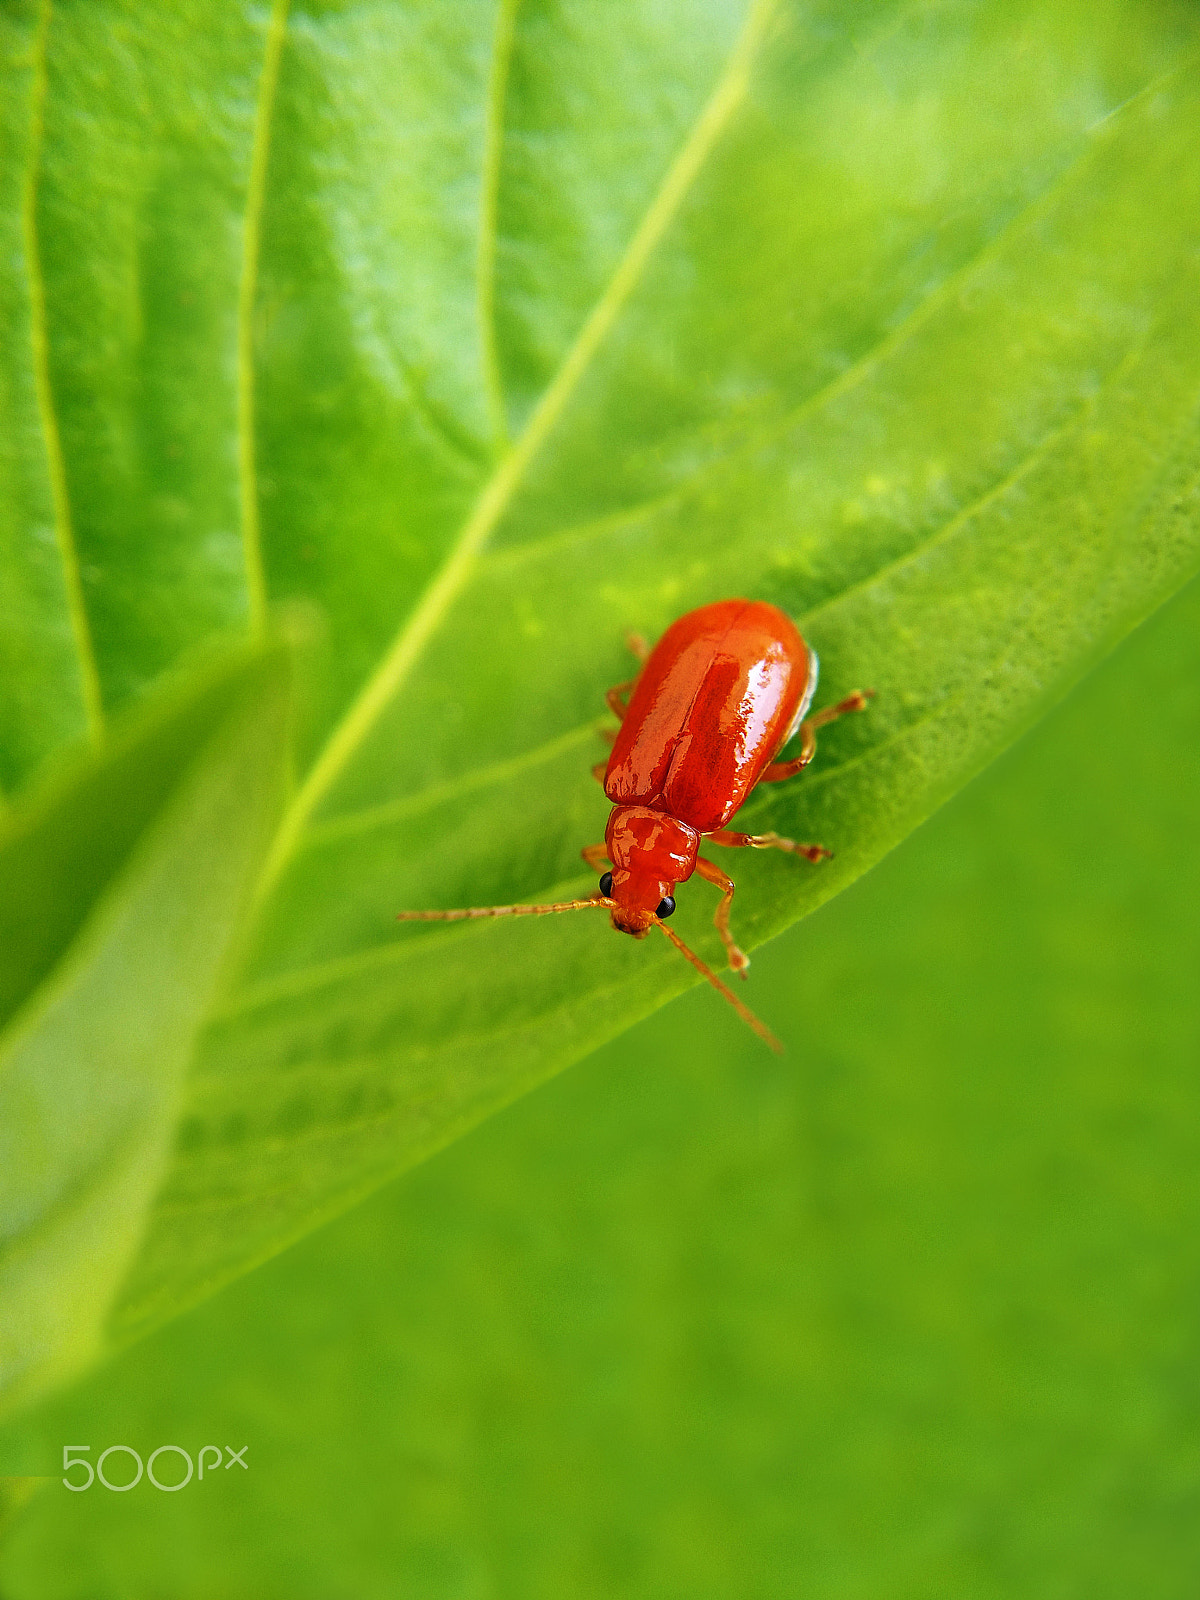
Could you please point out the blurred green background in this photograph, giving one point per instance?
(912, 1311)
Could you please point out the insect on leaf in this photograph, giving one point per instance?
(492, 333)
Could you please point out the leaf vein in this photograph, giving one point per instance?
(89, 672)
(256, 186)
(1021, 469)
(368, 820)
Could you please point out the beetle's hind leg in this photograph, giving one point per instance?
(779, 770)
(770, 841)
(738, 959)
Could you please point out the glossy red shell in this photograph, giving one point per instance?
(711, 707)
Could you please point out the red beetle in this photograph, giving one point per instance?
(725, 688)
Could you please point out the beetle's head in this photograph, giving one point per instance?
(650, 853)
(639, 900)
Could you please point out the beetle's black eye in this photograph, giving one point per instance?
(665, 907)
(606, 885)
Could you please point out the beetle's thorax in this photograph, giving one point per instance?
(651, 852)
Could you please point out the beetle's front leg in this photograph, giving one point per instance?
(770, 841)
(738, 959)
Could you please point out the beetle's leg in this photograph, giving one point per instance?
(779, 770)
(613, 699)
(617, 697)
(769, 841)
(599, 771)
(595, 855)
(738, 959)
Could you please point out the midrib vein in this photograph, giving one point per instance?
(256, 185)
(89, 675)
(406, 649)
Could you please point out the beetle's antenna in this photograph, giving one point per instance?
(501, 911)
(468, 912)
(743, 1011)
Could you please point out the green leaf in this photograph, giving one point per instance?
(491, 333)
(122, 893)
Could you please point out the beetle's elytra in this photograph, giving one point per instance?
(725, 688)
